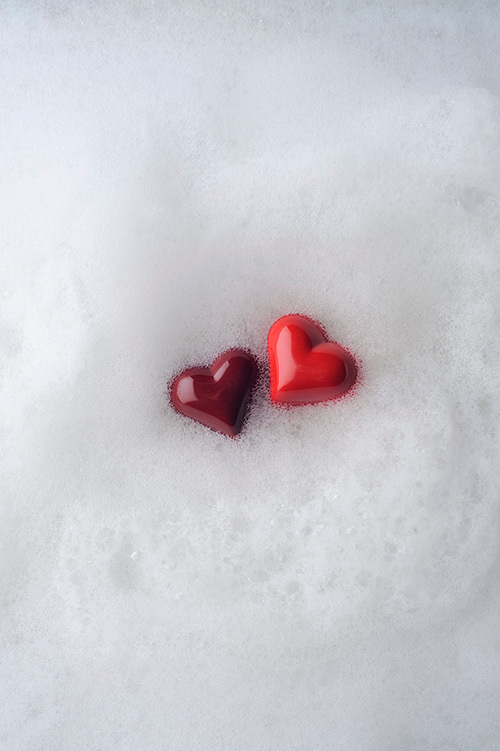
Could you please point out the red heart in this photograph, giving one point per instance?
(217, 396)
(305, 367)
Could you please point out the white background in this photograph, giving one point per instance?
(174, 177)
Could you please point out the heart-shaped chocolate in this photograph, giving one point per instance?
(217, 396)
(304, 366)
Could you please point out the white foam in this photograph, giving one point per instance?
(172, 181)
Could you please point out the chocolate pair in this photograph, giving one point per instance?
(304, 366)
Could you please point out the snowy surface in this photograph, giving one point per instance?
(174, 177)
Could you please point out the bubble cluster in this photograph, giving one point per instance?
(174, 178)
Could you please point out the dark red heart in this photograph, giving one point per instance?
(217, 396)
(305, 367)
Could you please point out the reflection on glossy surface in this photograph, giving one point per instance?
(305, 367)
(217, 396)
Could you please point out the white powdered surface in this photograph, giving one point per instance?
(173, 177)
